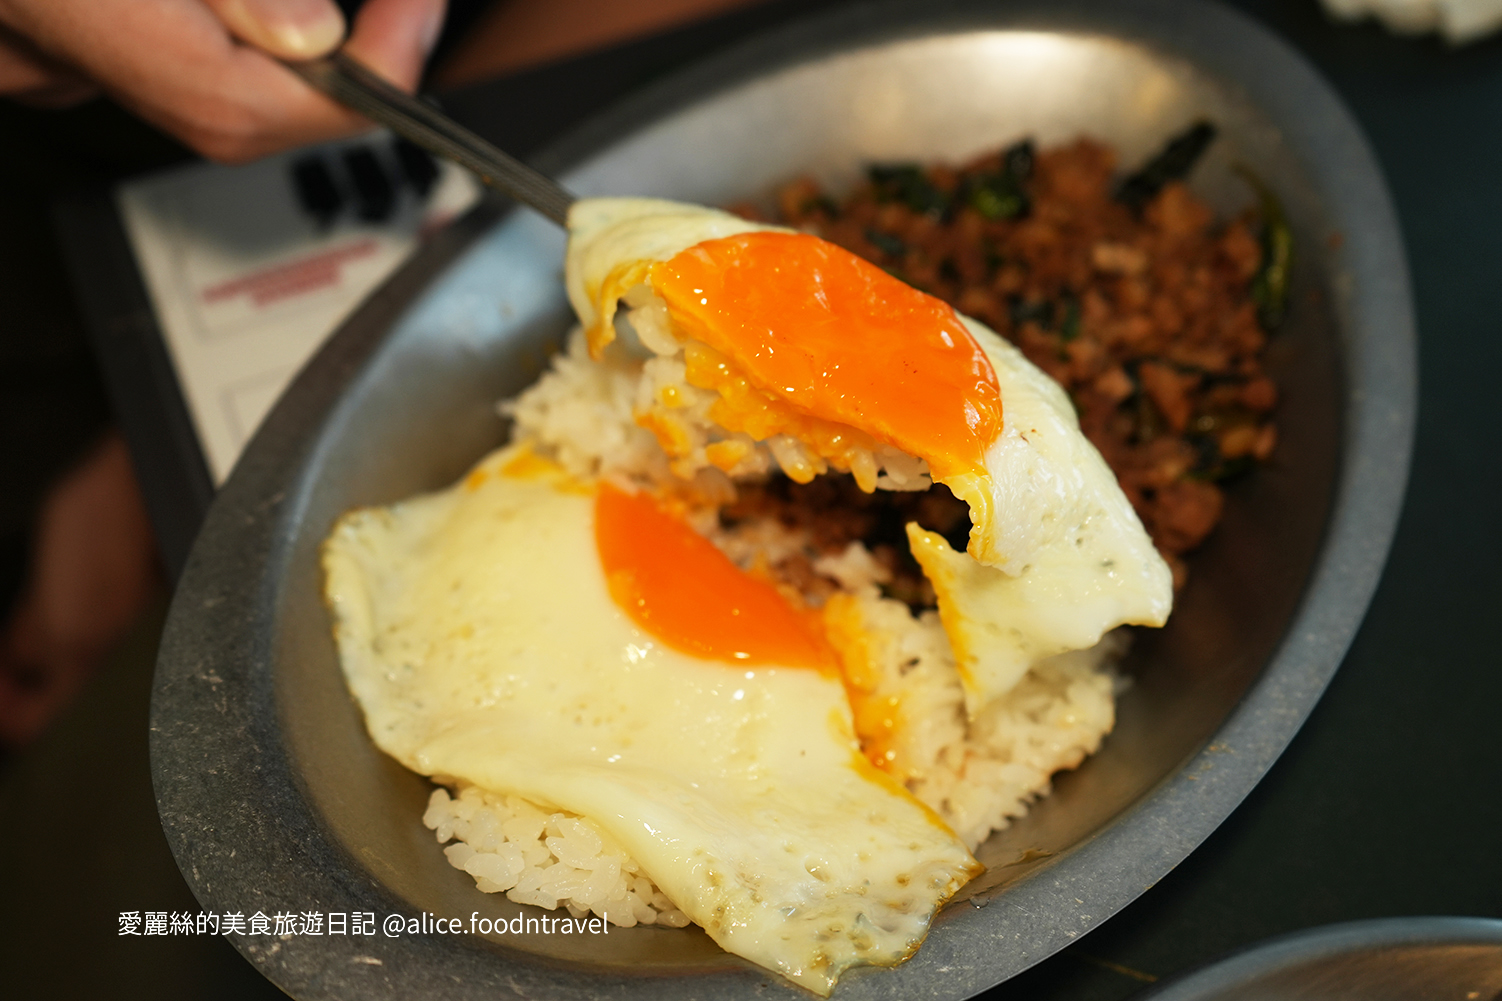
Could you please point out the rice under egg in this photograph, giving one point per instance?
(572, 631)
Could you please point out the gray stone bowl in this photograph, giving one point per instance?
(1386, 959)
(273, 798)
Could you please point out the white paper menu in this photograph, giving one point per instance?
(246, 283)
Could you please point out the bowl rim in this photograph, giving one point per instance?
(214, 718)
(1245, 967)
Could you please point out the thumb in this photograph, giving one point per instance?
(288, 29)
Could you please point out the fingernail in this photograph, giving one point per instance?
(292, 29)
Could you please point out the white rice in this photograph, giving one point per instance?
(981, 775)
(978, 775)
(586, 413)
(550, 860)
(580, 414)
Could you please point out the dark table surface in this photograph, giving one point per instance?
(1388, 803)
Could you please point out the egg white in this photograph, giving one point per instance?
(1056, 558)
(478, 634)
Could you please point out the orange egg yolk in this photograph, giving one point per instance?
(677, 586)
(841, 340)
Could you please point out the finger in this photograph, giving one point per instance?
(57, 96)
(392, 37)
(287, 29)
(31, 76)
(185, 72)
(230, 102)
(21, 72)
(395, 37)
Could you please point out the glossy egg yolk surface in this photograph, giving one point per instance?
(677, 586)
(841, 340)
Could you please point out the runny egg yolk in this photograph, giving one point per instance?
(841, 340)
(677, 586)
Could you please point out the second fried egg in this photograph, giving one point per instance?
(581, 647)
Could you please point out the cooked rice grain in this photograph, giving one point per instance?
(981, 776)
(546, 859)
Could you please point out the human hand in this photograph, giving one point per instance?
(199, 69)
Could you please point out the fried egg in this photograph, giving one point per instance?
(803, 340)
(579, 645)
(571, 640)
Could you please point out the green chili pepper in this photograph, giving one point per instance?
(996, 196)
(1270, 284)
(1003, 194)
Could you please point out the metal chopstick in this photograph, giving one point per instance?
(353, 85)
